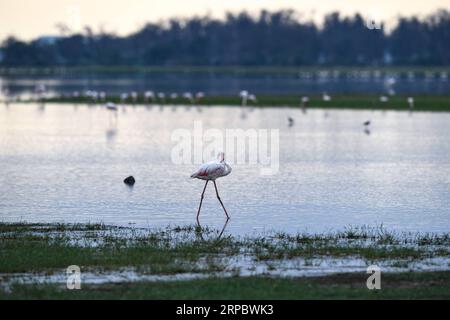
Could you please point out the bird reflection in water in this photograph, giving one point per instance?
(200, 232)
(111, 131)
(111, 134)
(41, 107)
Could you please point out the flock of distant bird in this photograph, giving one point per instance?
(191, 98)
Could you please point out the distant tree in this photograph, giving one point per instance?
(347, 41)
(270, 38)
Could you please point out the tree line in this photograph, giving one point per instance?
(271, 38)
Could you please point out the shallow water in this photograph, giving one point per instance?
(225, 83)
(240, 265)
(66, 163)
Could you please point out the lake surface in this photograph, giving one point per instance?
(64, 163)
(229, 83)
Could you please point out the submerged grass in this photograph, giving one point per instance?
(40, 247)
(49, 248)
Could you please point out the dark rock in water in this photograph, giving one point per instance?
(129, 181)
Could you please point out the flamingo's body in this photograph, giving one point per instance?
(410, 101)
(162, 97)
(149, 95)
(199, 96)
(244, 96)
(304, 100)
(384, 99)
(123, 97)
(211, 171)
(134, 96)
(189, 97)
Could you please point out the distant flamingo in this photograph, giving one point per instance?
(134, 96)
(199, 96)
(304, 101)
(189, 97)
(211, 171)
(123, 97)
(244, 96)
(149, 95)
(410, 101)
(384, 99)
(162, 97)
(326, 98)
(40, 90)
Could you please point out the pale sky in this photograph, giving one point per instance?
(28, 19)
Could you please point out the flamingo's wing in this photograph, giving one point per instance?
(210, 169)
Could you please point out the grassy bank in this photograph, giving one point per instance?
(427, 285)
(421, 102)
(227, 261)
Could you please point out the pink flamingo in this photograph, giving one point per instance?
(211, 171)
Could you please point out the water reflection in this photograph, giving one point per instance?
(200, 230)
(222, 84)
(330, 175)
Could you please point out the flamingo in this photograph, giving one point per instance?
(410, 101)
(134, 96)
(40, 90)
(304, 101)
(211, 171)
(149, 95)
(326, 98)
(384, 99)
(189, 97)
(244, 96)
(123, 97)
(162, 97)
(199, 96)
(93, 95)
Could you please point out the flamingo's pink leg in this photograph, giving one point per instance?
(201, 199)
(217, 193)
